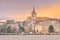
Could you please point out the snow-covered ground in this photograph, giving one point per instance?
(29, 37)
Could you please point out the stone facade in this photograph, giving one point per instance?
(41, 24)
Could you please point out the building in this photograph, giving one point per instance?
(40, 24)
(2, 26)
(11, 27)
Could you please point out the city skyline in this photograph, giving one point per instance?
(21, 9)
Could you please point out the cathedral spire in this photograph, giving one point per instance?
(33, 12)
(33, 8)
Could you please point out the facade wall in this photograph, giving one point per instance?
(38, 28)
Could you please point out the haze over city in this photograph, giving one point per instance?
(21, 9)
(29, 19)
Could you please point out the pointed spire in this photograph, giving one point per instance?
(33, 12)
(33, 8)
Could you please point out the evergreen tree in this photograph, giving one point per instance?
(9, 30)
(51, 29)
(21, 29)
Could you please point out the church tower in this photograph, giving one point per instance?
(33, 14)
(33, 21)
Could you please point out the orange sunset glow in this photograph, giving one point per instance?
(20, 10)
(49, 11)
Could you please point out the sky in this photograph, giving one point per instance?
(19, 10)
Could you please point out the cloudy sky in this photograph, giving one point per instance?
(21, 9)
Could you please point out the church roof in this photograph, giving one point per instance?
(46, 19)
